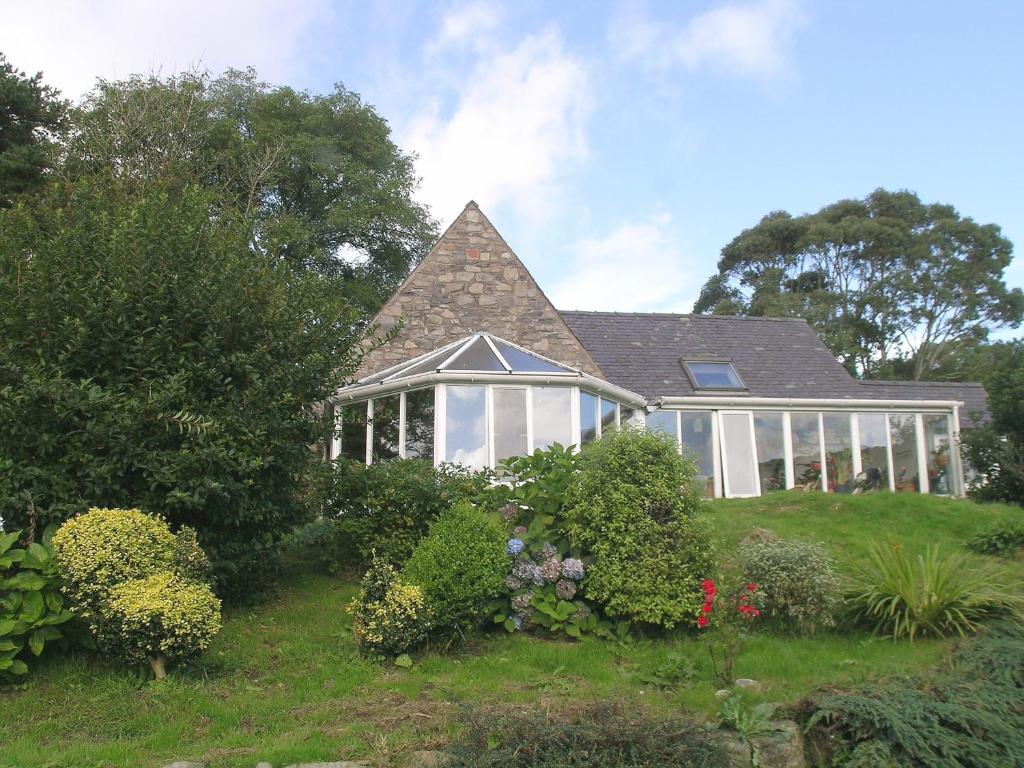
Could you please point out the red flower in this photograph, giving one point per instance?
(707, 608)
(702, 621)
(709, 587)
(751, 587)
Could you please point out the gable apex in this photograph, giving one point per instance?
(471, 281)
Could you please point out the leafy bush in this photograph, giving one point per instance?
(1004, 539)
(635, 510)
(32, 610)
(929, 595)
(385, 508)
(162, 618)
(460, 565)
(536, 493)
(971, 714)
(389, 617)
(797, 584)
(138, 586)
(605, 736)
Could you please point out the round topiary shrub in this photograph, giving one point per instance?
(389, 617)
(797, 584)
(460, 565)
(162, 618)
(636, 511)
(140, 588)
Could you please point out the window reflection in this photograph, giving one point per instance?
(874, 455)
(419, 424)
(509, 423)
(607, 415)
(806, 450)
(552, 417)
(353, 431)
(838, 452)
(466, 425)
(771, 450)
(698, 445)
(385, 428)
(936, 440)
(588, 417)
(903, 433)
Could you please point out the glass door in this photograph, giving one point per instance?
(739, 459)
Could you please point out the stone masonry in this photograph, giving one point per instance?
(472, 281)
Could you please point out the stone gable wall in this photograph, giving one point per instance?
(472, 281)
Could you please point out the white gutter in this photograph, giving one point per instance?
(364, 391)
(805, 402)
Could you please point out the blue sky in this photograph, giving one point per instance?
(617, 145)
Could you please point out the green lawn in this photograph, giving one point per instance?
(282, 682)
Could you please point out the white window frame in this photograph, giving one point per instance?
(753, 457)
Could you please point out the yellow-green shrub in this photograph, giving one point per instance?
(163, 618)
(389, 617)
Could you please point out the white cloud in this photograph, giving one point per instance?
(74, 42)
(638, 267)
(469, 24)
(750, 39)
(509, 128)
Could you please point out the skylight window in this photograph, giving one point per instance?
(705, 375)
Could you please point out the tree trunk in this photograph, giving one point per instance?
(159, 670)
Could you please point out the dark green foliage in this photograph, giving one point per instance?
(31, 114)
(121, 309)
(387, 507)
(995, 451)
(970, 715)
(32, 610)
(797, 584)
(895, 287)
(320, 174)
(460, 565)
(604, 736)
(636, 511)
(1005, 539)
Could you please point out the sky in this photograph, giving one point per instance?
(619, 145)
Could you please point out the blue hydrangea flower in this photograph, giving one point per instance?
(572, 568)
(515, 546)
(521, 603)
(524, 570)
(513, 583)
(565, 590)
(518, 621)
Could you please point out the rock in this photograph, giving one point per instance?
(758, 536)
(264, 765)
(785, 749)
(338, 764)
(427, 758)
(747, 684)
(722, 694)
(185, 764)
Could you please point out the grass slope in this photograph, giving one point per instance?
(282, 683)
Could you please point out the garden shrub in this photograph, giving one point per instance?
(602, 736)
(460, 565)
(140, 588)
(387, 507)
(930, 594)
(389, 617)
(1004, 539)
(32, 609)
(970, 714)
(162, 618)
(797, 585)
(636, 511)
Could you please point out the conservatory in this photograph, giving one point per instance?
(469, 363)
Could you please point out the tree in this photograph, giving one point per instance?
(155, 356)
(996, 451)
(319, 174)
(31, 114)
(893, 285)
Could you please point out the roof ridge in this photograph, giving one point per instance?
(905, 383)
(679, 314)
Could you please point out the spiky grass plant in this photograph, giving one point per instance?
(930, 594)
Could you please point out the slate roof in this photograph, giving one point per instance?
(775, 357)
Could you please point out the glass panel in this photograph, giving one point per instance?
(936, 441)
(476, 357)
(771, 450)
(714, 375)
(838, 452)
(353, 432)
(663, 421)
(466, 425)
(419, 424)
(874, 457)
(806, 451)
(509, 423)
(903, 433)
(524, 361)
(737, 452)
(385, 428)
(588, 417)
(627, 416)
(607, 415)
(698, 446)
(425, 366)
(552, 417)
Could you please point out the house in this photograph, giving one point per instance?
(474, 364)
